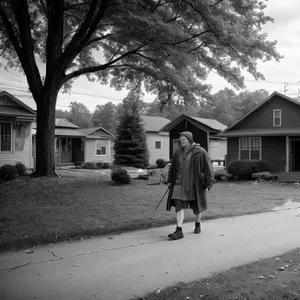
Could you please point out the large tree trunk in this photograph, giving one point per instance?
(45, 156)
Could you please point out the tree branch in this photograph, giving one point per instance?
(44, 8)
(216, 3)
(188, 39)
(10, 31)
(55, 37)
(26, 50)
(84, 33)
(101, 67)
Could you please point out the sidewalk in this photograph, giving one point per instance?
(129, 265)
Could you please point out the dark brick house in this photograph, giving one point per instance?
(271, 132)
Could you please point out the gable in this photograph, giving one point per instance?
(12, 107)
(153, 123)
(64, 123)
(262, 117)
(96, 132)
(192, 120)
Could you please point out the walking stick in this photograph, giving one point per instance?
(162, 198)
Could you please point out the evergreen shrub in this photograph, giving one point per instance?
(120, 175)
(160, 163)
(8, 172)
(21, 169)
(243, 169)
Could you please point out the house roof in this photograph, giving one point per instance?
(212, 123)
(89, 131)
(154, 123)
(68, 132)
(23, 109)
(61, 122)
(15, 111)
(209, 125)
(229, 131)
(261, 132)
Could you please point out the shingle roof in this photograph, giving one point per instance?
(209, 125)
(154, 123)
(260, 132)
(214, 124)
(15, 111)
(89, 131)
(61, 122)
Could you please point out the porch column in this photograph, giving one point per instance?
(287, 154)
(109, 154)
(208, 144)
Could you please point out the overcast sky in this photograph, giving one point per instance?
(285, 29)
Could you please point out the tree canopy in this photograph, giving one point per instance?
(170, 45)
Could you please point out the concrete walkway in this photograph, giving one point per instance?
(129, 265)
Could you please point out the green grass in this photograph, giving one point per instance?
(260, 280)
(77, 204)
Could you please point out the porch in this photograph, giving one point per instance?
(287, 176)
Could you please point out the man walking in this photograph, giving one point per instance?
(191, 174)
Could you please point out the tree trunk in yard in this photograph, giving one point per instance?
(45, 156)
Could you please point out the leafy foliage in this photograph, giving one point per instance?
(21, 169)
(243, 169)
(170, 45)
(79, 115)
(120, 175)
(104, 116)
(8, 172)
(160, 163)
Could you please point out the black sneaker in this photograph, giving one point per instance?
(197, 228)
(178, 234)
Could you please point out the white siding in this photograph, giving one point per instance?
(158, 153)
(90, 151)
(24, 156)
(218, 149)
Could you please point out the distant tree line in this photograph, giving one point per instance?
(225, 106)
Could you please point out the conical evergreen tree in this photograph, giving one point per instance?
(131, 144)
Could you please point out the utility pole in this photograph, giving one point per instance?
(285, 85)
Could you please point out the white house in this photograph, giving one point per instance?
(157, 142)
(15, 131)
(98, 145)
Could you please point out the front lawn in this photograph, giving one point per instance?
(80, 204)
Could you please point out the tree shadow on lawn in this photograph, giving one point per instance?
(46, 210)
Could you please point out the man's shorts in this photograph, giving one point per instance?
(179, 205)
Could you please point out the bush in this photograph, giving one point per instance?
(243, 169)
(8, 172)
(21, 169)
(89, 165)
(120, 175)
(99, 164)
(106, 165)
(160, 163)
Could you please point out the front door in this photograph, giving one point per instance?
(295, 151)
(63, 150)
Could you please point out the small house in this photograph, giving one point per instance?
(204, 131)
(270, 132)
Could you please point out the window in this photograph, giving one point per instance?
(5, 137)
(101, 147)
(276, 117)
(250, 148)
(157, 144)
